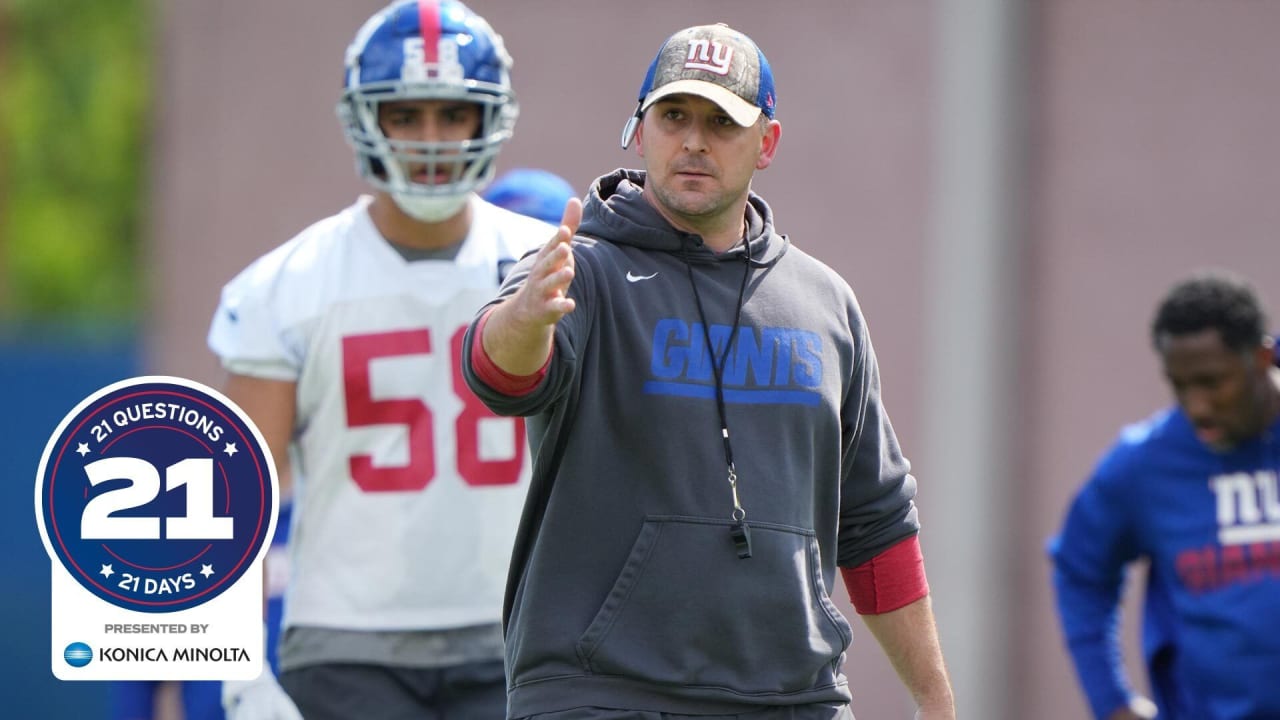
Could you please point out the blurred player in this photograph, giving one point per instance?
(529, 191)
(344, 345)
(1193, 490)
(202, 699)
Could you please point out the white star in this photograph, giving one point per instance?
(230, 449)
(206, 570)
(83, 449)
(106, 570)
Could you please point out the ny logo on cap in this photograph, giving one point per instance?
(709, 55)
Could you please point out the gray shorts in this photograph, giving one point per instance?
(343, 691)
(789, 712)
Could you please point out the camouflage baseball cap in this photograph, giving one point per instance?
(712, 61)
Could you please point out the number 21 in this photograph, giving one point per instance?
(98, 523)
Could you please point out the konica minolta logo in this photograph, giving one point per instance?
(155, 654)
(78, 654)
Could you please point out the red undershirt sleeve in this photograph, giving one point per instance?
(893, 579)
(494, 376)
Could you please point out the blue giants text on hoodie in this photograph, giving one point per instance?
(769, 366)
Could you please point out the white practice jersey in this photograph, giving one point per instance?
(407, 489)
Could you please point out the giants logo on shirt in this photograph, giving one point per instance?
(1248, 547)
(1248, 507)
(769, 366)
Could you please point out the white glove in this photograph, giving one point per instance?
(259, 699)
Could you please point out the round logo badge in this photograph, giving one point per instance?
(156, 494)
(78, 654)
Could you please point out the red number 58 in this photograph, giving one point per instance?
(358, 351)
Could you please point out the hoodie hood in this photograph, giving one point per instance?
(617, 211)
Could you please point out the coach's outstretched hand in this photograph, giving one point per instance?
(519, 332)
(541, 300)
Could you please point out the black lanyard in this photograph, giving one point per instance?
(740, 531)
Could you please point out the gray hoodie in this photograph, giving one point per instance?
(625, 588)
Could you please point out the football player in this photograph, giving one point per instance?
(343, 344)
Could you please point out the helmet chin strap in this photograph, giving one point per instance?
(430, 209)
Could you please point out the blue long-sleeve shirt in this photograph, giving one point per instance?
(1209, 524)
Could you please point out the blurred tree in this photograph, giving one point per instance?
(75, 86)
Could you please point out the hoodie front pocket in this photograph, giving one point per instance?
(686, 610)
